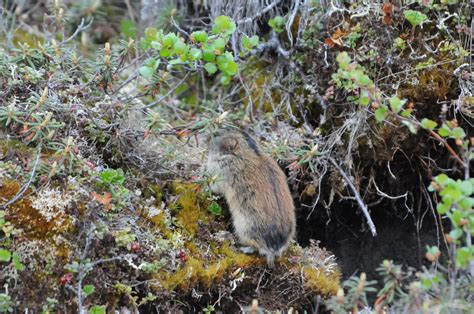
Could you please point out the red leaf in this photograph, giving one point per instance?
(388, 13)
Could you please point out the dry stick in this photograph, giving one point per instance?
(357, 196)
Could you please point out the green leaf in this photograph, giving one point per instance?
(97, 309)
(225, 80)
(199, 36)
(88, 290)
(175, 61)
(415, 17)
(219, 44)
(396, 104)
(170, 39)
(249, 43)
(455, 233)
(5, 255)
(232, 68)
(428, 124)
(16, 262)
(466, 203)
(406, 113)
(381, 113)
(224, 25)
(458, 133)
(146, 71)
(411, 126)
(226, 64)
(442, 208)
(215, 209)
(457, 216)
(150, 32)
(128, 28)
(444, 131)
(208, 56)
(364, 98)
(180, 47)
(149, 67)
(210, 68)
(343, 59)
(166, 52)
(156, 45)
(254, 40)
(451, 193)
(466, 188)
(362, 79)
(426, 283)
(442, 179)
(463, 256)
(195, 54)
(277, 23)
(114, 176)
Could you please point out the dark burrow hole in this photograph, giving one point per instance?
(401, 236)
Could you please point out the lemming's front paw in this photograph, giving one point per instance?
(215, 188)
(247, 249)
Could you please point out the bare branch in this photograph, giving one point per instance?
(79, 29)
(361, 203)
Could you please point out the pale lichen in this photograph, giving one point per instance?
(51, 203)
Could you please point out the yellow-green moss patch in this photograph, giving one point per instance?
(191, 207)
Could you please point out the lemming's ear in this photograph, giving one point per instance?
(229, 145)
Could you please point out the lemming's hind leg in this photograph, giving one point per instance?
(270, 259)
(269, 255)
(251, 246)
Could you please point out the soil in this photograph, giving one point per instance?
(400, 237)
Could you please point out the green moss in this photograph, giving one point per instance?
(239, 259)
(15, 146)
(22, 36)
(207, 270)
(156, 191)
(318, 281)
(191, 207)
(159, 221)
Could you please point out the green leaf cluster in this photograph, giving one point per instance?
(248, 43)
(415, 17)
(352, 77)
(201, 50)
(113, 180)
(7, 256)
(456, 132)
(215, 209)
(277, 23)
(112, 176)
(457, 203)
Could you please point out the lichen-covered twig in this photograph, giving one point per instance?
(361, 203)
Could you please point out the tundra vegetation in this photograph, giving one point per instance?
(105, 107)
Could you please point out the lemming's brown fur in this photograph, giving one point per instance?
(256, 190)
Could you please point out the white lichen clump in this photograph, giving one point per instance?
(51, 203)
